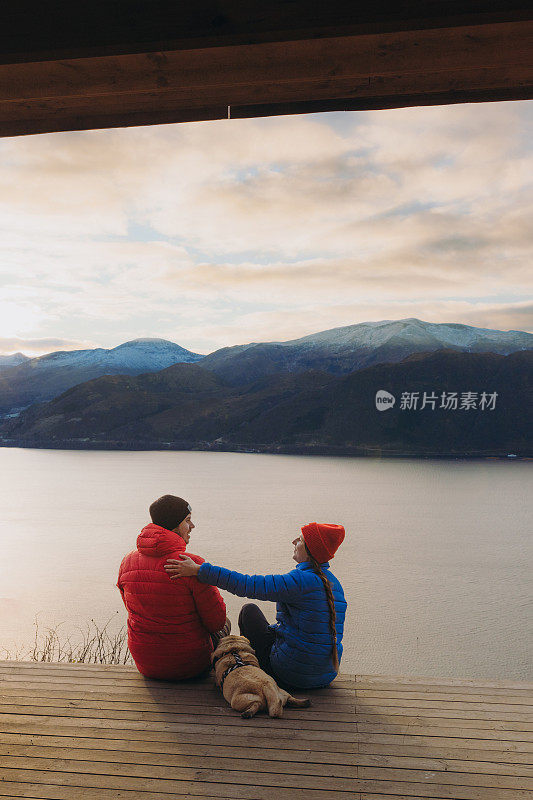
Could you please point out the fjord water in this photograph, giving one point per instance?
(436, 564)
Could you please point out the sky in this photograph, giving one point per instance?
(224, 232)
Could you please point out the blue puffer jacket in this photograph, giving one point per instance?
(301, 654)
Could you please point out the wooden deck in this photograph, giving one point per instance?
(80, 732)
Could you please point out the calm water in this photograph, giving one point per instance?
(436, 565)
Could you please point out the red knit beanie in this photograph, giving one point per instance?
(323, 539)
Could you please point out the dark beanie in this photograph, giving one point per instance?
(168, 511)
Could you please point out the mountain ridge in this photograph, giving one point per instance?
(187, 406)
(45, 377)
(353, 347)
(338, 351)
(12, 360)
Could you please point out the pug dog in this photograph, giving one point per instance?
(245, 686)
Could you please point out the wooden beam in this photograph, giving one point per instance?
(35, 31)
(373, 70)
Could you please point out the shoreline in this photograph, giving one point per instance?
(299, 450)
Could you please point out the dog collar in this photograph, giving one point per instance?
(238, 663)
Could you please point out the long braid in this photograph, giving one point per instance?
(331, 607)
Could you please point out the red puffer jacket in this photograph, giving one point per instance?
(169, 622)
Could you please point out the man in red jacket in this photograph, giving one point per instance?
(169, 622)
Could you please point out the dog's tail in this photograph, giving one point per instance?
(273, 700)
(295, 702)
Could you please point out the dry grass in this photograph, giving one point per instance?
(93, 645)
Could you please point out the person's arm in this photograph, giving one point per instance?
(119, 585)
(209, 604)
(285, 587)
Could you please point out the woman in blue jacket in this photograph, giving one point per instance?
(304, 648)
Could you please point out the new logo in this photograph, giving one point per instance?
(384, 400)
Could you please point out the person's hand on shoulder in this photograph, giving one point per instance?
(181, 569)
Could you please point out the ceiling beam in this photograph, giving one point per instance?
(377, 69)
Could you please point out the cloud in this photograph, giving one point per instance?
(463, 161)
(220, 226)
(284, 325)
(37, 347)
(505, 317)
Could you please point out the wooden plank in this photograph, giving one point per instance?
(13, 742)
(446, 752)
(154, 691)
(77, 668)
(219, 735)
(461, 696)
(452, 779)
(334, 696)
(450, 766)
(497, 726)
(221, 770)
(178, 704)
(376, 680)
(239, 787)
(380, 796)
(450, 759)
(417, 689)
(37, 791)
(73, 680)
(362, 688)
(21, 704)
(440, 777)
(119, 671)
(436, 727)
(190, 103)
(209, 697)
(260, 792)
(362, 683)
(131, 679)
(383, 789)
(158, 711)
(460, 795)
(229, 719)
(259, 727)
(306, 62)
(447, 713)
(24, 34)
(442, 739)
(242, 760)
(376, 69)
(131, 676)
(459, 704)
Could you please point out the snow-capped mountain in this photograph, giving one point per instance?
(353, 347)
(416, 332)
(339, 351)
(139, 355)
(13, 360)
(40, 379)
